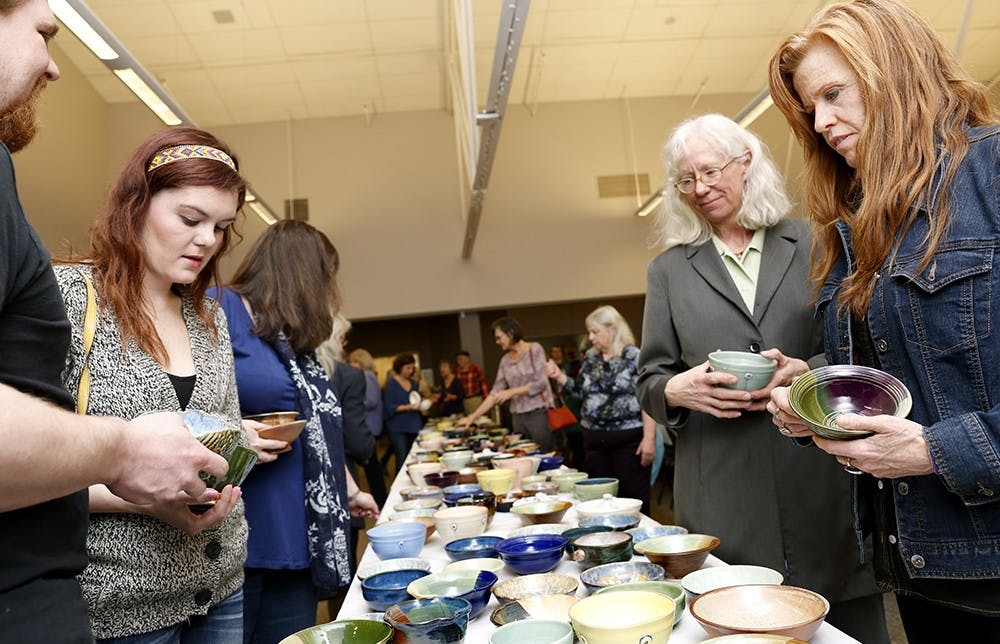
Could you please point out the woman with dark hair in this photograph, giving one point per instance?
(159, 572)
(402, 415)
(452, 392)
(298, 505)
(520, 379)
(902, 159)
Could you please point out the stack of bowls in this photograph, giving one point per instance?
(822, 394)
(679, 554)
(472, 586)
(630, 616)
(397, 539)
(752, 370)
(532, 553)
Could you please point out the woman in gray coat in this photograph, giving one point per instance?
(734, 276)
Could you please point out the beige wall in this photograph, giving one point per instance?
(387, 194)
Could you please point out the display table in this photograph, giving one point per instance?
(686, 630)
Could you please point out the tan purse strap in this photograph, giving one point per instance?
(89, 330)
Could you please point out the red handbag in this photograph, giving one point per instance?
(560, 417)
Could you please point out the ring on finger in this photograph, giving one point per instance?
(777, 416)
(785, 431)
(850, 469)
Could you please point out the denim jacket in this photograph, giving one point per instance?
(938, 331)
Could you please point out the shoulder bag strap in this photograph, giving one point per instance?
(89, 329)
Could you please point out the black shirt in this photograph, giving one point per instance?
(41, 546)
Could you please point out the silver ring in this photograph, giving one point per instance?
(777, 415)
(850, 469)
(784, 430)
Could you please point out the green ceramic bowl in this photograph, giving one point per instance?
(671, 589)
(752, 370)
(348, 631)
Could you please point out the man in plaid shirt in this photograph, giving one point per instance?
(471, 375)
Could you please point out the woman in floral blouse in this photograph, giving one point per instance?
(619, 440)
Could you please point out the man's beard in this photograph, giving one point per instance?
(18, 126)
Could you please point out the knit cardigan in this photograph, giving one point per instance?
(144, 574)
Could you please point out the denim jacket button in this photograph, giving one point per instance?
(917, 561)
(985, 491)
(881, 345)
(903, 489)
(892, 539)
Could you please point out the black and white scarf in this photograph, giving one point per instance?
(327, 516)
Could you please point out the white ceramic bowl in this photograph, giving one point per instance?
(607, 506)
(461, 522)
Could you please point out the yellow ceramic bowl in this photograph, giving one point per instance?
(499, 482)
(623, 618)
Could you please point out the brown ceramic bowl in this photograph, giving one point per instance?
(442, 479)
(274, 417)
(541, 511)
(486, 499)
(777, 610)
(287, 432)
(679, 554)
(468, 474)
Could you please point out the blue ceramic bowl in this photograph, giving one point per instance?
(533, 553)
(625, 572)
(453, 493)
(397, 539)
(641, 534)
(472, 586)
(472, 548)
(550, 463)
(442, 619)
(618, 522)
(383, 590)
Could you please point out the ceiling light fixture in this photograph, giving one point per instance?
(147, 95)
(82, 29)
(757, 106)
(650, 205)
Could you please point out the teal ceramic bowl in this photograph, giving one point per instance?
(671, 589)
(752, 370)
(706, 579)
(348, 631)
(601, 548)
(589, 489)
(536, 631)
(472, 586)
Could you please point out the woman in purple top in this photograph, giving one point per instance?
(520, 379)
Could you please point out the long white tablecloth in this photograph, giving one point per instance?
(685, 631)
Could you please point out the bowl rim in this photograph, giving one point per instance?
(366, 586)
(590, 572)
(624, 596)
(560, 540)
(535, 578)
(692, 605)
(458, 611)
(397, 526)
(400, 563)
(708, 572)
(458, 575)
(713, 542)
(506, 604)
(810, 378)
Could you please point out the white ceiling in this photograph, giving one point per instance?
(297, 59)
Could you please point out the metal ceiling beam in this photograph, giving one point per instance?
(509, 34)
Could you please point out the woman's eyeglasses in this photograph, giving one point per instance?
(709, 177)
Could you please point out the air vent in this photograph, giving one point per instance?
(297, 209)
(224, 17)
(622, 185)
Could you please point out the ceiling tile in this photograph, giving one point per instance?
(129, 22)
(396, 35)
(251, 113)
(404, 9)
(332, 68)
(238, 46)
(669, 22)
(309, 13)
(198, 17)
(418, 62)
(353, 89)
(581, 54)
(641, 89)
(326, 38)
(186, 80)
(579, 25)
(413, 103)
(165, 50)
(748, 19)
(264, 96)
(251, 76)
(412, 85)
(583, 5)
(667, 53)
(577, 74)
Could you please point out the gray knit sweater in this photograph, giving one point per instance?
(145, 574)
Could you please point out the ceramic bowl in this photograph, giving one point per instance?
(275, 418)
(781, 610)
(521, 465)
(287, 432)
(397, 539)
(441, 619)
(418, 504)
(822, 394)
(631, 616)
(416, 516)
(596, 488)
(625, 572)
(461, 522)
(454, 492)
(383, 590)
(424, 456)
(424, 492)
(403, 563)
(472, 548)
(241, 460)
(608, 505)
(536, 607)
(618, 522)
(541, 487)
(534, 478)
(552, 583)
(540, 528)
(536, 631)
(752, 370)
(567, 480)
(347, 631)
(406, 515)
(532, 554)
(456, 460)
(492, 564)
(706, 579)
(601, 548)
(679, 554)
(550, 463)
(442, 479)
(573, 533)
(641, 534)
(486, 499)
(468, 474)
(416, 471)
(541, 511)
(671, 589)
(471, 585)
(499, 481)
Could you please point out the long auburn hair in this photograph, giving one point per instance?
(917, 99)
(290, 279)
(116, 247)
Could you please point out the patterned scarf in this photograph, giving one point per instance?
(327, 515)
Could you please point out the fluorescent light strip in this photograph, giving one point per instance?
(75, 22)
(147, 96)
(757, 110)
(262, 212)
(651, 205)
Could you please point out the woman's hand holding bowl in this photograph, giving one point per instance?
(698, 389)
